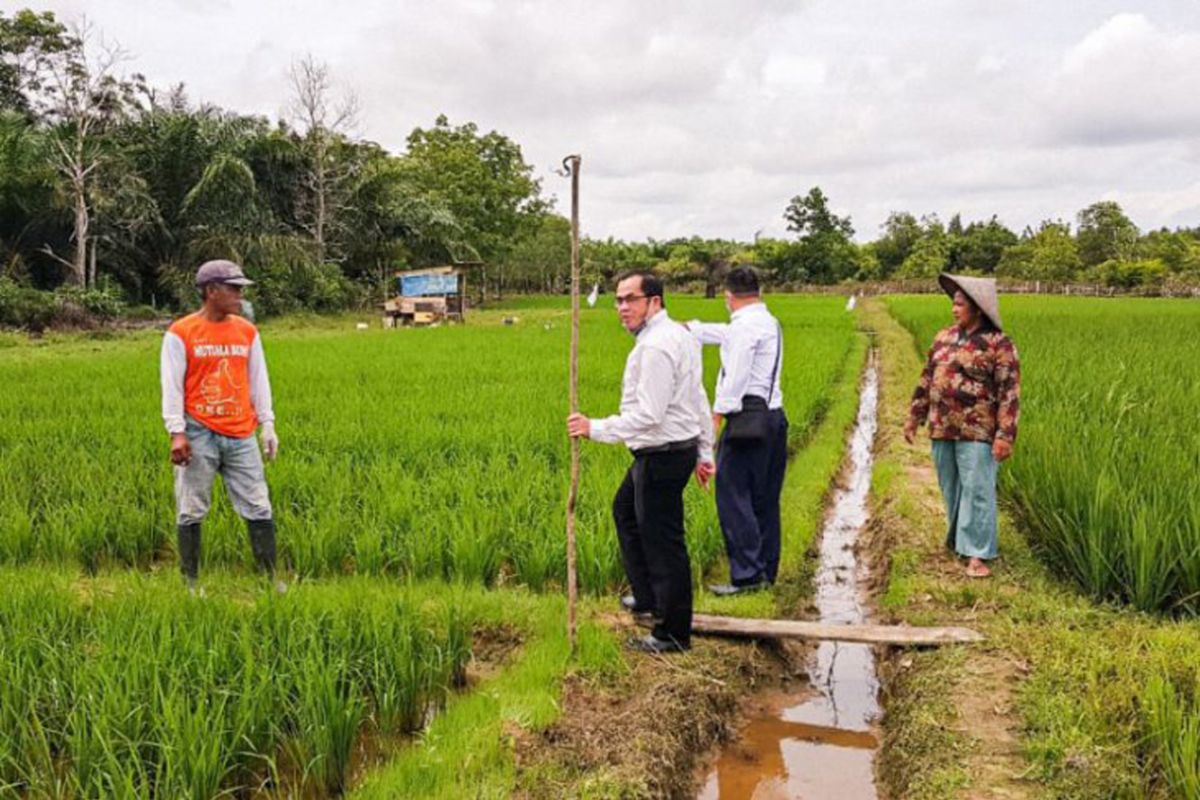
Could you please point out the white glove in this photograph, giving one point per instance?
(270, 442)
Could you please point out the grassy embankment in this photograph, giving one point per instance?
(1068, 697)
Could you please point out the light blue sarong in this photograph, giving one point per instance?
(967, 475)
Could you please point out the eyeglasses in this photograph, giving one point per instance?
(628, 299)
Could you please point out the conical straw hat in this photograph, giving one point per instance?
(982, 292)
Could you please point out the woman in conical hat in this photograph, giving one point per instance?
(969, 394)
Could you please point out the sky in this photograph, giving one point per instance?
(705, 118)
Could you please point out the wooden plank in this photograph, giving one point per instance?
(900, 635)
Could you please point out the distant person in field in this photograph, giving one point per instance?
(666, 423)
(215, 395)
(752, 449)
(969, 394)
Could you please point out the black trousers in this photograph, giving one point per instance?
(648, 511)
(749, 482)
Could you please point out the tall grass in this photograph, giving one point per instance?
(1106, 471)
(435, 453)
(1172, 722)
(127, 686)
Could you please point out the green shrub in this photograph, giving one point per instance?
(103, 302)
(24, 307)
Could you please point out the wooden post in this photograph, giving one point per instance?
(571, 165)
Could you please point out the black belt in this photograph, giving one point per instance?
(669, 447)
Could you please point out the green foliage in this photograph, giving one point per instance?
(171, 183)
(980, 246)
(810, 215)
(224, 196)
(1050, 254)
(288, 285)
(541, 262)
(27, 184)
(930, 254)
(102, 302)
(824, 251)
(124, 685)
(28, 41)
(482, 179)
(1178, 251)
(1078, 671)
(901, 232)
(603, 260)
(1129, 274)
(1172, 722)
(24, 307)
(1105, 234)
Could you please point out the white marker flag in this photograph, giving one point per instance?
(851, 302)
(594, 296)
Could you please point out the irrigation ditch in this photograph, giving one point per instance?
(820, 739)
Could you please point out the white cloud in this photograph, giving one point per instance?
(1128, 80)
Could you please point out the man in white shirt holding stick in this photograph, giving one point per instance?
(752, 452)
(665, 420)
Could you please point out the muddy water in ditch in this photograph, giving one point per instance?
(821, 744)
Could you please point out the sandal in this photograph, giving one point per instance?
(979, 571)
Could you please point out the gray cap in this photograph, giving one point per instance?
(221, 271)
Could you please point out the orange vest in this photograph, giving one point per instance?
(216, 391)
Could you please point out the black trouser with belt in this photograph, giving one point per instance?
(749, 482)
(648, 511)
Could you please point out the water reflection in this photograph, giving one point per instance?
(822, 746)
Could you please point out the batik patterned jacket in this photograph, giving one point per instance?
(970, 388)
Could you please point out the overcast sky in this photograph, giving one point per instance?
(705, 118)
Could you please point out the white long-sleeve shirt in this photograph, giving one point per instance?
(749, 344)
(662, 392)
(173, 370)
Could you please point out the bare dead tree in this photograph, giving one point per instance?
(83, 95)
(323, 115)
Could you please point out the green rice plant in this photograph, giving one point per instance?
(433, 453)
(127, 686)
(1172, 722)
(1106, 472)
(332, 712)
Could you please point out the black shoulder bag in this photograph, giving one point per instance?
(750, 425)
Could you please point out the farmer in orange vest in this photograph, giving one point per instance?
(215, 395)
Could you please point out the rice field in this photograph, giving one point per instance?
(1105, 476)
(127, 687)
(419, 492)
(436, 453)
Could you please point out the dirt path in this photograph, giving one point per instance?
(951, 725)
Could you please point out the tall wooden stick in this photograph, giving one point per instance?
(571, 165)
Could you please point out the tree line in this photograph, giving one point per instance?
(1104, 247)
(112, 190)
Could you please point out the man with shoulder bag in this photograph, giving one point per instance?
(752, 448)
